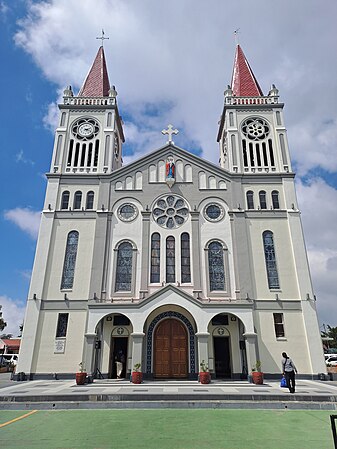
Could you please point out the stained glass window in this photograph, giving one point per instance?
(70, 260)
(275, 199)
(65, 200)
(185, 258)
(170, 260)
(62, 324)
(90, 200)
(77, 200)
(278, 325)
(269, 253)
(250, 199)
(216, 266)
(124, 267)
(263, 201)
(155, 257)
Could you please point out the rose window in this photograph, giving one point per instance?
(170, 212)
(255, 128)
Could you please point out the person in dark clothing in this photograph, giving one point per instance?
(120, 360)
(289, 370)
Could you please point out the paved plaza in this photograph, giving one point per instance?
(112, 393)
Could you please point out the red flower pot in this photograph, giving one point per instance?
(80, 378)
(204, 377)
(257, 377)
(136, 377)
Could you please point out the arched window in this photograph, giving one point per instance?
(185, 258)
(216, 267)
(155, 258)
(124, 267)
(65, 200)
(69, 261)
(269, 254)
(263, 200)
(275, 199)
(77, 200)
(90, 200)
(250, 199)
(170, 259)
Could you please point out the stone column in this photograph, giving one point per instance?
(88, 353)
(145, 254)
(202, 348)
(137, 350)
(250, 338)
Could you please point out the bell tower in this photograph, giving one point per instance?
(252, 135)
(90, 135)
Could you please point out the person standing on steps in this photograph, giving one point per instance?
(289, 370)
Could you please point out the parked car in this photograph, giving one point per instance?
(331, 360)
(8, 359)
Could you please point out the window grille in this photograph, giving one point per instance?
(65, 200)
(62, 325)
(278, 325)
(275, 199)
(269, 253)
(90, 200)
(77, 200)
(263, 200)
(216, 266)
(124, 267)
(70, 260)
(185, 258)
(250, 199)
(155, 258)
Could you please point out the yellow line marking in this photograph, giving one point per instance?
(17, 419)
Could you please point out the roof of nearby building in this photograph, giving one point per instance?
(96, 83)
(244, 83)
(12, 343)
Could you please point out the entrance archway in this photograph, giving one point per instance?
(170, 349)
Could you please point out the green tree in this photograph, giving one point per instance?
(330, 332)
(3, 324)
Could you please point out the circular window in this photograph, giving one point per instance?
(127, 212)
(170, 212)
(214, 212)
(255, 128)
(85, 129)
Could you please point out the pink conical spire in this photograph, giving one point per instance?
(244, 83)
(96, 83)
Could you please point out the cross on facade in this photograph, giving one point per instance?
(170, 131)
(102, 38)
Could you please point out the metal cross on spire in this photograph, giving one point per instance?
(236, 35)
(102, 38)
(169, 131)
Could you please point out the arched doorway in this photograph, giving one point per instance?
(170, 349)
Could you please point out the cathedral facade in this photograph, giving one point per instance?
(170, 259)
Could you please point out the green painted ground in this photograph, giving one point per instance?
(167, 429)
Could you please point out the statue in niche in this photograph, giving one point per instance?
(170, 171)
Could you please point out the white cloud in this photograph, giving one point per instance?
(182, 62)
(26, 219)
(317, 202)
(20, 157)
(13, 312)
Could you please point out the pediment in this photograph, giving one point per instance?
(189, 168)
(161, 296)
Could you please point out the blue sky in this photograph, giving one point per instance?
(168, 68)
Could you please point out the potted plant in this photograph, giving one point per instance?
(257, 374)
(136, 375)
(81, 375)
(204, 375)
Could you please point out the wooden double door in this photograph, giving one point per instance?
(170, 349)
